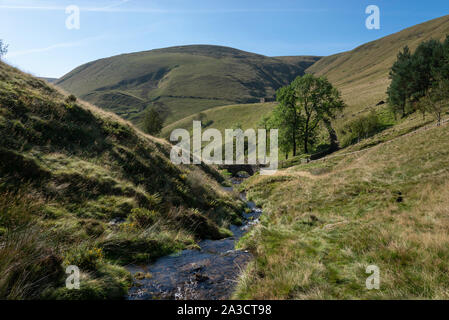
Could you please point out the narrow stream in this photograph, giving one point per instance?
(208, 273)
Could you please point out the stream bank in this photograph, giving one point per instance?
(209, 273)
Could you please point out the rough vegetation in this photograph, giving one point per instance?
(327, 221)
(362, 74)
(79, 186)
(383, 201)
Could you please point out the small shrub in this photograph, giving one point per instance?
(53, 212)
(84, 257)
(17, 210)
(152, 122)
(93, 228)
(195, 222)
(140, 247)
(154, 200)
(71, 99)
(109, 282)
(196, 180)
(361, 128)
(28, 264)
(143, 218)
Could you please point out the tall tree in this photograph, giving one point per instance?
(437, 99)
(443, 73)
(287, 118)
(413, 75)
(316, 101)
(152, 122)
(425, 65)
(401, 78)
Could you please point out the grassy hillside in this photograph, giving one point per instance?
(362, 74)
(180, 80)
(226, 117)
(51, 80)
(300, 61)
(79, 186)
(328, 220)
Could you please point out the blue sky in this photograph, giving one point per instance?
(40, 43)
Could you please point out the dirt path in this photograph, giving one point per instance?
(305, 174)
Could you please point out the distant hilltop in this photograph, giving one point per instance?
(181, 80)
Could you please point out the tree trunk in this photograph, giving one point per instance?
(295, 127)
(294, 144)
(333, 139)
(306, 142)
(306, 137)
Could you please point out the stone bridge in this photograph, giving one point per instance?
(236, 168)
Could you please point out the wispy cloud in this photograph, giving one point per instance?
(117, 7)
(110, 8)
(117, 4)
(78, 43)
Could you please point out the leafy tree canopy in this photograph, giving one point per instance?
(152, 123)
(303, 105)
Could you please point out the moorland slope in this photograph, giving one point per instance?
(180, 81)
(362, 74)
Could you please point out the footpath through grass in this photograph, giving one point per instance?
(326, 221)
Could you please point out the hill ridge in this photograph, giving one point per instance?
(362, 73)
(183, 80)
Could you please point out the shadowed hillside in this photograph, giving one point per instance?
(50, 80)
(300, 61)
(79, 186)
(180, 80)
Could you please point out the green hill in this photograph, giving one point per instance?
(362, 74)
(180, 80)
(300, 61)
(80, 186)
(50, 80)
(225, 117)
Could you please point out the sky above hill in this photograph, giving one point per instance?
(41, 43)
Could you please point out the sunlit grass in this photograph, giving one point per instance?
(325, 222)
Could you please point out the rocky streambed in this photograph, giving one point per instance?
(208, 273)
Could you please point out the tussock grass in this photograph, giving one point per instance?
(28, 261)
(93, 179)
(326, 221)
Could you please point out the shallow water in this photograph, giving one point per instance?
(208, 273)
